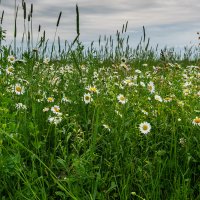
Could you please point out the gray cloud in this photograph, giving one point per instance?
(169, 22)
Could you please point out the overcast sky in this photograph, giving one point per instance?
(168, 22)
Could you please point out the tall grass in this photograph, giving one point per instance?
(70, 124)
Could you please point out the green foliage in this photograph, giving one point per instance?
(73, 127)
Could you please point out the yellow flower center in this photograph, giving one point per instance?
(50, 99)
(56, 109)
(87, 98)
(93, 89)
(168, 99)
(145, 127)
(128, 81)
(18, 88)
(122, 98)
(10, 69)
(197, 120)
(150, 87)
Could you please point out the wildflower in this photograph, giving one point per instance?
(182, 142)
(138, 71)
(145, 65)
(186, 92)
(87, 98)
(45, 109)
(186, 84)
(55, 109)
(151, 87)
(20, 106)
(95, 75)
(144, 112)
(122, 99)
(11, 59)
(123, 65)
(123, 60)
(128, 81)
(179, 119)
(92, 89)
(10, 70)
(118, 113)
(55, 120)
(196, 121)
(106, 127)
(50, 99)
(158, 98)
(18, 89)
(180, 103)
(65, 99)
(167, 99)
(83, 67)
(142, 84)
(46, 61)
(145, 127)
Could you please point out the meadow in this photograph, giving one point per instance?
(102, 122)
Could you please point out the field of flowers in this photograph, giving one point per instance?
(99, 129)
(97, 123)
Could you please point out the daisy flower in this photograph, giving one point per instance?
(186, 92)
(128, 81)
(20, 106)
(55, 120)
(122, 99)
(18, 89)
(145, 127)
(45, 109)
(11, 59)
(50, 99)
(138, 71)
(124, 66)
(180, 103)
(106, 127)
(123, 60)
(167, 99)
(142, 84)
(46, 61)
(87, 98)
(65, 99)
(196, 121)
(158, 98)
(145, 65)
(10, 70)
(92, 89)
(144, 112)
(151, 87)
(55, 109)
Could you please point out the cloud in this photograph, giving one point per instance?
(166, 19)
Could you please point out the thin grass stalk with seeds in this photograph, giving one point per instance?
(58, 21)
(31, 14)
(29, 19)
(15, 30)
(1, 29)
(77, 27)
(24, 32)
